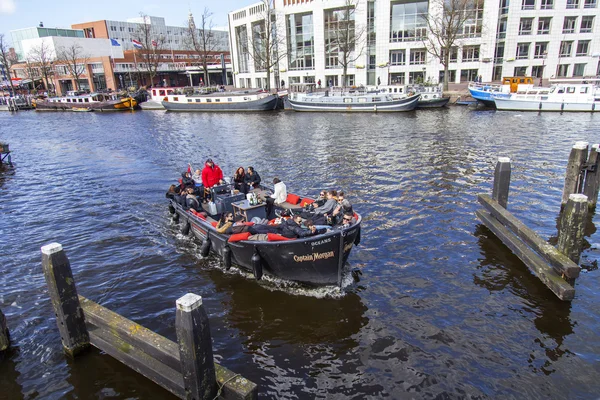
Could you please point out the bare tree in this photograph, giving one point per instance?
(5, 60)
(201, 40)
(42, 56)
(74, 60)
(267, 48)
(342, 38)
(447, 27)
(152, 42)
(31, 71)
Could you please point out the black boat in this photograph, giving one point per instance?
(316, 260)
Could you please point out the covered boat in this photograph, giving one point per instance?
(352, 100)
(87, 102)
(570, 96)
(485, 93)
(221, 101)
(315, 260)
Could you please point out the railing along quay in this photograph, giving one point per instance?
(185, 368)
(557, 267)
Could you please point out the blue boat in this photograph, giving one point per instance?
(485, 92)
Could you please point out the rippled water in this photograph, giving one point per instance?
(442, 309)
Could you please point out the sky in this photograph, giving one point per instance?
(17, 14)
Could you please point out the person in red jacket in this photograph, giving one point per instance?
(211, 176)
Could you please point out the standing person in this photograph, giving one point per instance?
(279, 196)
(252, 179)
(330, 83)
(319, 83)
(239, 180)
(211, 176)
(282, 84)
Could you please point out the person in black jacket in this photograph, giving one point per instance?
(239, 180)
(291, 228)
(252, 179)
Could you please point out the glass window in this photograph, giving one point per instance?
(541, 50)
(417, 56)
(582, 48)
(590, 4)
(565, 48)
(453, 54)
(579, 69)
(572, 3)
(470, 53)
(537, 71)
(338, 21)
(520, 71)
(525, 26)
(522, 51)
(546, 4)
(397, 57)
(408, 20)
(587, 22)
(563, 70)
(527, 4)
(301, 41)
(468, 75)
(569, 25)
(397, 78)
(544, 26)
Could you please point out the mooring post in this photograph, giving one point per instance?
(592, 177)
(195, 348)
(574, 175)
(4, 337)
(61, 287)
(501, 181)
(572, 226)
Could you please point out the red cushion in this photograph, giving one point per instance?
(248, 223)
(236, 237)
(304, 202)
(293, 198)
(273, 237)
(214, 223)
(356, 216)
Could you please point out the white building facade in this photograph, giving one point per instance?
(539, 38)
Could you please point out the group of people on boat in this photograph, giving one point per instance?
(331, 210)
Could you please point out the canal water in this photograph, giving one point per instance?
(440, 308)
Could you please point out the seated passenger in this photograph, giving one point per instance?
(239, 180)
(191, 201)
(278, 197)
(316, 230)
(319, 215)
(347, 220)
(238, 226)
(225, 222)
(187, 181)
(343, 206)
(292, 228)
(252, 179)
(173, 190)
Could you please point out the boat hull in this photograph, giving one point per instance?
(555, 106)
(265, 104)
(314, 261)
(116, 105)
(433, 103)
(152, 105)
(407, 104)
(486, 97)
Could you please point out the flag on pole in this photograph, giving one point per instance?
(154, 43)
(115, 42)
(137, 44)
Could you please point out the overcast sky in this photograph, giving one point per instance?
(17, 14)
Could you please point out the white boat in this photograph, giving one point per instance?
(157, 94)
(221, 101)
(568, 96)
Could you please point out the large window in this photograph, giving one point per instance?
(566, 48)
(590, 3)
(544, 26)
(473, 20)
(522, 51)
(417, 56)
(397, 78)
(569, 25)
(578, 69)
(499, 52)
(527, 4)
(259, 37)
(520, 71)
(408, 20)
(562, 70)
(397, 57)
(468, 75)
(572, 3)
(541, 50)
(301, 50)
(470, 53)
(453, 54)
(583, 47)
(339, 33)
(526, 26)
(241, 35)
(587, 22)
(537, 71)
(546, 4)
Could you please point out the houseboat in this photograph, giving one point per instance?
(221, 101)
(86, 102)
(485, 93)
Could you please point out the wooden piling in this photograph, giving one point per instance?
(592, 177)
(4, 337)
(195, 348)
(61, 287)
(502, 181)
(574, 175)
(572, 226)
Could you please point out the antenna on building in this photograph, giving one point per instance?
(41, 24)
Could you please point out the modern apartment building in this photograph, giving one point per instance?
(540, 38)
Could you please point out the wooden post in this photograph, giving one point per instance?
(592, 177)
(195, 348)
(4, 337)
(573, 177)
(501, 181)
(572, 225)
(61, 287)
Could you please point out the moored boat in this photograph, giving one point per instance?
(352, 100)
(583, 97)
(93, 102)
(485, 93)
(432, 96)
(221, 101)
(156, 96)
(315, 260)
